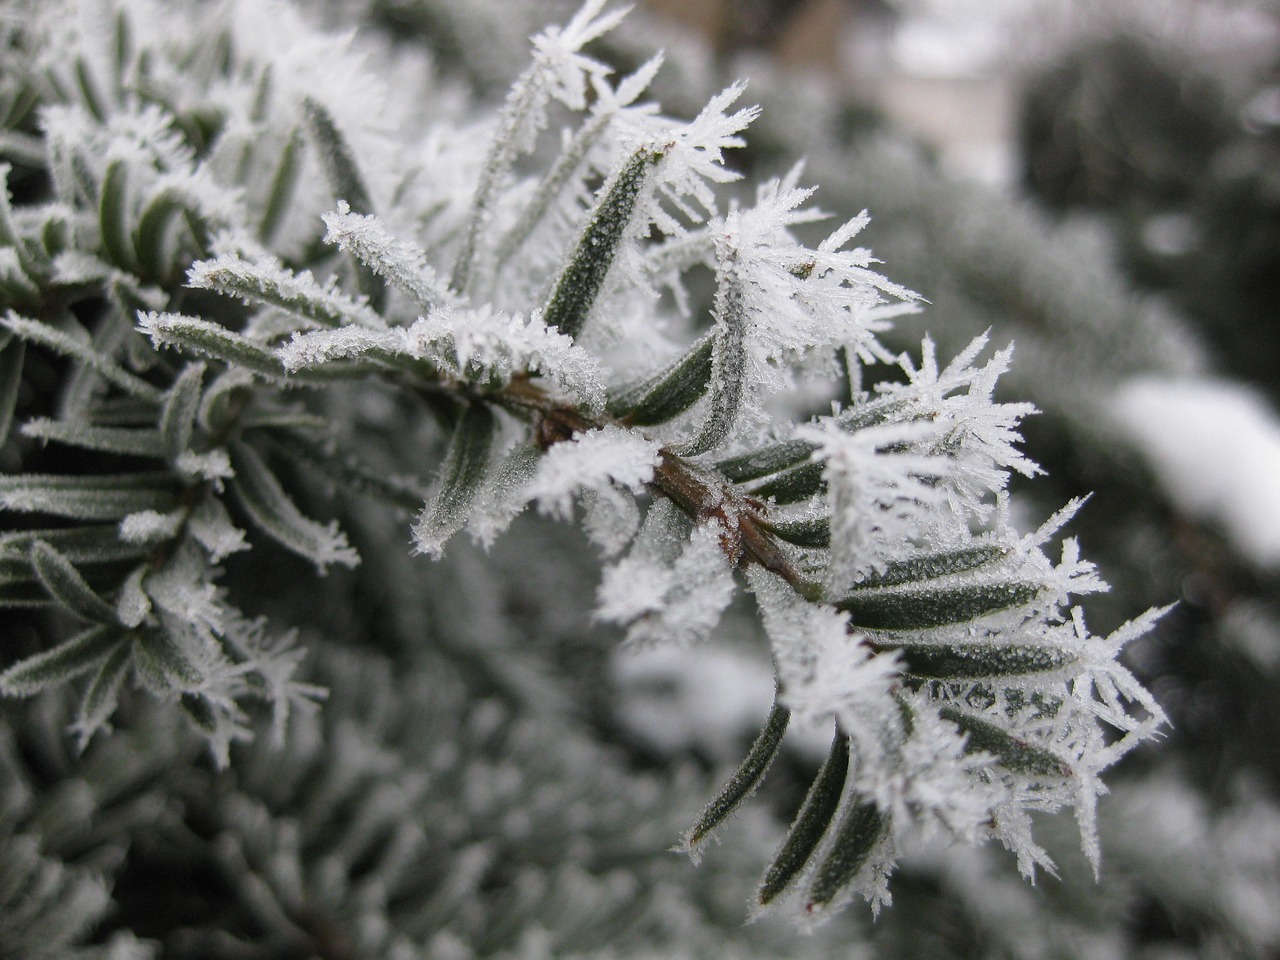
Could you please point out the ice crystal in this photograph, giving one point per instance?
(882, 491)
(665, 591)
(607, 461)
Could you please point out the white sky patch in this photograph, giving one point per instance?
(1215, 449)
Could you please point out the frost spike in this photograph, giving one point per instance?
(860, 829)
(67, 660)
(744, 780)
(1012, 752)
(811, 823)
(347, 184)
(113, 217)
(282, 185)
(579, 284)
(917, 609)
(66, 585)
(466, 465)
(265, 501)
(670, 392)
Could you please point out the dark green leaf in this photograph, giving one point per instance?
(89, 93)
(201, 711)
(11, 356)
(791, 486)
(126, 441)
(162, 665)
(946, 661)
(337, 158)
(122, 50)
(670, 392)
(107, 497)
(19, 591)
(97, 544)
(728, 363)
(102, 693)
(921, 609)
(1012, 751)
(151, 238)
(579, 284)
(178, 417)
(347, 184)
(264, 499)
(213, 340)
(66, 585)
(350, 473)
(811, 823)
(744, 780)
(812, 532)
(933, 565)
(44, 335)
(761, 463)
(282, 187)
(64, 662)
(113, 217)
(299, 294)
(861, 828)
(466, 466)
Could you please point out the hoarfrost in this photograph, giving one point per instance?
(150, 526)
(882, 491)
(210, 524)
(477, 344)
(399, 261)
(595, 460)
(668, 590)
(825, 673)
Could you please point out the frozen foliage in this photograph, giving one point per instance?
(599, 461)
(261, 331)
(1215, 447)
